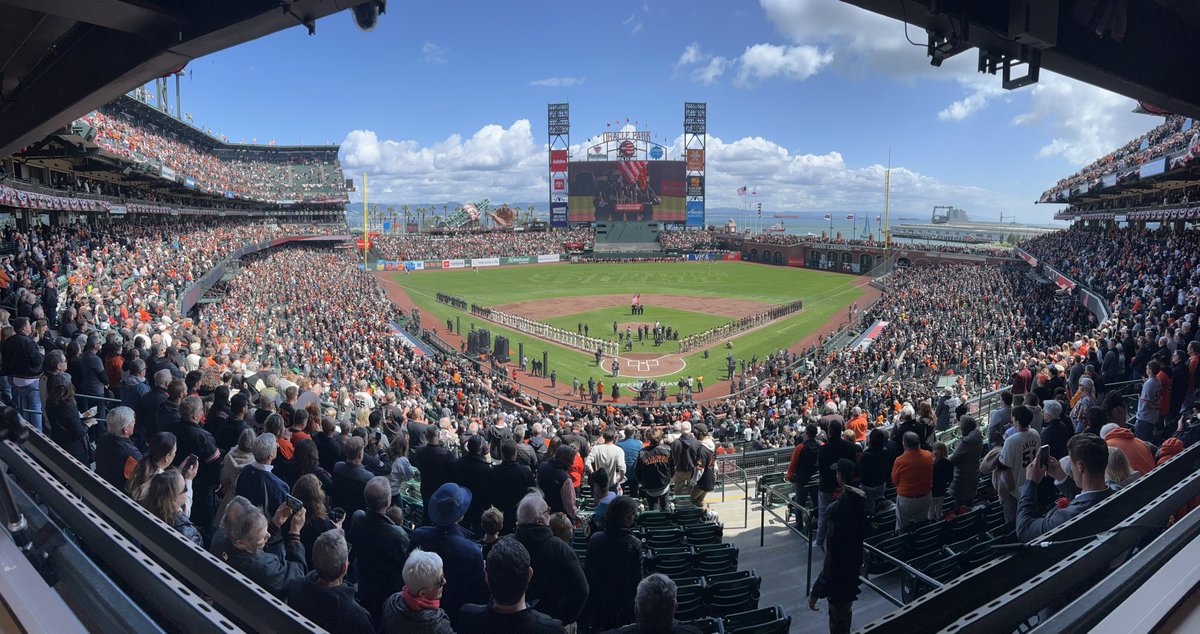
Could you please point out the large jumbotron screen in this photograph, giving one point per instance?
(627, 190)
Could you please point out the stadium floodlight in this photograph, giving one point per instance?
(366, 15)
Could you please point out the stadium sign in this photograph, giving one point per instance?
(558, 161)
(656, 152)
(485, 261)
(167, 173)
(414, 265)
(454, 264)
(695, 160)
(545, 259)
(628, 135)
(433, 264)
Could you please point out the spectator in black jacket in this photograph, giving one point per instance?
(614, 567)
(835, 448)
(350, 478)
(803, 466)
(323, 596)
(657, 598)
(838, 581)
(511, 480)
(66, 427)
(559, 584)
(417, 608)
(22, 369)
(195, 440)
(509, 570)
(654, 470)
(876, 467)
(329, 448)
(147, 411)
(269, 553)
(116, 453)
(472, 472)
(168, 414)
(93, 380)
(257, 482)
(497, 434)
(380, 547)
(683, 455)
(435, 462)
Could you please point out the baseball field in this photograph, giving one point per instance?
(688, 297)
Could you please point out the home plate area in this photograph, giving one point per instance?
(647, 365)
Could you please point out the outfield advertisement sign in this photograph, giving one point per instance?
(525, 259)
(414, 266)
(695, 213)
(454, 264)
(434, 265)
(545, 259)
(485, 262)
(558, 214)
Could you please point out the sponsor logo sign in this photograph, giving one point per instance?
(695, 160)
(485, 262)
(544, 259)
(558, 160)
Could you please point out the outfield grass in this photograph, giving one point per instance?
(825, 296)
(600, 321)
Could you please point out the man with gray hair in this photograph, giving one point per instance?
(380, 546)
(654, 604)
(192, 439)
(323, 596)
(559, 583)
(416, 608)
(116, 453)
(147, 410)
(257, 482)
(270, 554)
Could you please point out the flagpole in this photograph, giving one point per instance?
(887, 187)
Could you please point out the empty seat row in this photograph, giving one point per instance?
(770, 620)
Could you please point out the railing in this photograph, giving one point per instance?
(767, 499)
(729, 474)
(900, 566)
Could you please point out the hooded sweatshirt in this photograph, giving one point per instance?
(1139, 456)
(1169, 449)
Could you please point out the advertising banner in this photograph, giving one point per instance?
(558, 160)
(1029, 259)
(695, 213)
(695, 160)
(544, 259)
(1153, 168)
(505, 261)
(558, 214)
(189, 182)
(738, 256)
(433, 264)
(391, 266)
(167, 173)
(626, 190)
(410, 227)
(414, 266)
(560, 184)
(454, 264)
(484, 262)
(695, 186)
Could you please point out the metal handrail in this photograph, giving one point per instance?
(724, 469)
(767, 495)
(866, 574)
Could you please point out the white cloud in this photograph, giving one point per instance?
(712, 71)
(635, 25)
(557, 82)
(691, 55)
(1087, 122)
(982, 90)
(764, 61)
(506, 164)
(433, 54)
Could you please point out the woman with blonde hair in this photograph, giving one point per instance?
(1119, 474)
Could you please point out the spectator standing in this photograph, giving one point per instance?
(195, 440)
(803, 466)
(323, 596)
(473, 472)
(683, 455)
(913, 475)
(835, 448)
(269, 554)
(554, 480)
(380, 547)
(654, 471)
(461, 557)
(1089, 460)
(257, 482)
(435, 462)
(165, 499)
(965, 482)
(614, 567)
(876, 467)
(838, 581)
(943, 472)
(1018, 451)
(509, 574)
(655, 603)
(608, 456)
(22, 370)
(416, 609)
(1146, 427)
(632, 446)
(349, 478)
(559, 585)
(116, 453)
(511, 480)
(66, 427)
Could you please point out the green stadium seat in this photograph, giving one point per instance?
(715, 559)
(682, 502)
(964, 526)
(733, 592)
(707, 625)
(667, 537)
(704, 534)
(675, 562)
(993, 517)
(655, 519)
(924, 539)
(761, 621)
(690, 598)
(690, 516)
(413, 509)
(936, 565)
(892, 545)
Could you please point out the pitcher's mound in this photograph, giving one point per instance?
(646, 365)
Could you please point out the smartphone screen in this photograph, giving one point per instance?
(294, 502)
(1044, 456)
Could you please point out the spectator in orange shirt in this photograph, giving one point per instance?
(913, 475)
(858, 424)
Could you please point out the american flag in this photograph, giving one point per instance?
(828, 217)
(878, 218)
(742, 190)
(635, 172)
(849, 216)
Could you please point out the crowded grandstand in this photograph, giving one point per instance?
(194, 351)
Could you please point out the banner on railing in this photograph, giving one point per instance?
(869, 336)
(484, 262)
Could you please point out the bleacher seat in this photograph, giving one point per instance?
(655, 519)
(714, 559)
(690, 516)
(760, 621)
(678, 562)
(704, 534)
(665, 537)
(706, 625)
(690, 598)
(733, 592)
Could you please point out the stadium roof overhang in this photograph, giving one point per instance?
(59, 59)
(1144, 50)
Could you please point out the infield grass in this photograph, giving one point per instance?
(825, 296)
(600, 322)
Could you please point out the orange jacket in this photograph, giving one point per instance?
(912, 472)
(1136, 451)
(859, 425)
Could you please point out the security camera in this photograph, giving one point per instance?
(366, 15)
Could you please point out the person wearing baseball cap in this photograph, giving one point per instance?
(838, 581)
(462, 560)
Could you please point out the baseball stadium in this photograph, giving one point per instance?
(259, 387)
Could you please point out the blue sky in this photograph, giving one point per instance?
(446, 101)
